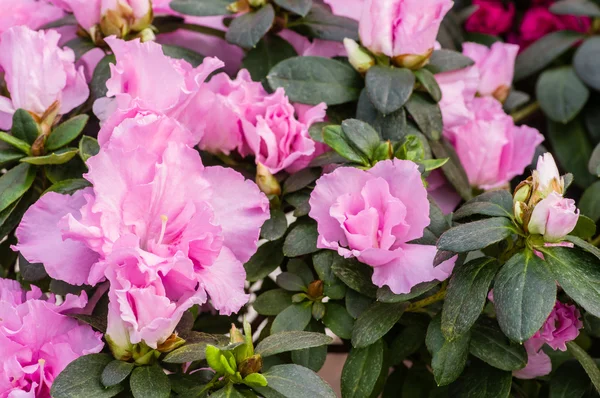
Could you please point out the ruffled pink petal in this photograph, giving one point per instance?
(538, 362)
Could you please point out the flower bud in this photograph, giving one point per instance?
(147, 35)
(412, 61)
(553, 217)
(315, 289)
(251, 365)
(359, 58)
(235, 336)
(239, 6)
(170, 343)
(119, 351)
(114, 23)
(546, 178)
(501, 93)
(257, 3)
(519, 210)
(522, 192)
(266, 182)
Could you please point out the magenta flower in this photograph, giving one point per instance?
(554, 217)
(371, 215)
(492, 17)
(40, 76)
(37, 341)
(539, 21)
(496, 66)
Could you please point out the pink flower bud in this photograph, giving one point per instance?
(554, 217)
(547, 177)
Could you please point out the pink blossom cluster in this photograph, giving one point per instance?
(38, 340)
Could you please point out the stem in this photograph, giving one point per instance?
(525, 112)
(439, 296)
(596, 241)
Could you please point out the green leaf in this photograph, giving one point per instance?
(585, 228)
(385, 295)
(493, 203)
(188, 353)
(515, 100)
(186, 54)
(466, 295)
(266, 259)
(274, 228)
(449, 357)
(338, 320)
(362, 136)
(407, 342)
(427, 79)
(482, 381)
(14, 183)
(68, 187)
(312, 80)
(524, 296)
(301, 179)
(335, 137)
(561, 94)
(476, 235)
(582, 8)
(59, 157)
(291, 341)
(361, 370)
(323, 263)
(356, 303)
(100, 76)
(355, 275)
(584, 245)
(321, 23)
(247, 29)
(585, 62)
(545, 50)
(291, 282)
(453, 170)
(426, 114)
(31, 272)
(589, 203)
(115, 372)
(573, 150)
(8, 156)
(569, 381)
(447, 60)
(594, 163)
(390, 127)
(88, 147)
(294, 381)
(294, 317)
(300, 7)
(312, 358)
(268, 52)
(272, 302)
(149, 382)
(69, 19)
(17, 143)
(81, 378)
(228, 391)
(80, 46)
(589, 365)
(489, 344)
(389, 88)
(66, 132)
(24, 127)
(578, 274)
(301, 240)
(375, 322)
(201, 8)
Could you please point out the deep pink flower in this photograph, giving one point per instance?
(371, 215)
(490, 147)
(30, 13)
(37, 341)
(493, 17)
(554, 217)
(496, 66)
(562, 326)
(401, 27)
(38, 73)
(539, 21)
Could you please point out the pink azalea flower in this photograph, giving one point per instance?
(442, 192)
(554, 217)
(538, 362)
(458, 91)
(38, 74)
(30, 13)
(539, 21)
(37, 341)
(371, 215)
(490, 147)
(492, 17)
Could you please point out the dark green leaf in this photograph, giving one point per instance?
(493, 203)
(66, 132)
(268, 52)
(428, 81)
(361, 370)
(584, 245)
(516, 99)
(482, 381)
(88, 147)
(573, 150)
(542, 52)
(338, 320)
(375, 322)
(59, 157)
(489, 344)
(476, 235)
(449, 357)
(408, 341)
(294, 317)
(582, 8)
(589, 203)
(247, 29)
(335, 137)
(585, 62)
(31, 272)
(229, 391)
(101, 75)
(585, 228)
(15, 142)
(385, 295)
(115, 372)
(427, 115)
(24, 127)
(594, 163)
(68, 187)
(294, 381)
(81, 378)
(524, 296)
(312, 358)
(323, 262)
(589, 365)
(466, 295)
(149, 382)
(355, 275)
(200, 8)
(301, 179)
(272, 302)
(302, 239)
(453, 170)
(80, 46)
(291, 282)
(320, 23)
(188, 353)
(186, 54)
(266, 259)
(390, 127)
(300, 7)
(356, 303)
(14, 183)
(291, 341)
(561, 94)
(274, 228)
(447, 60)
(361, 136)
(312, 80)
(569, 381)
(578, 274)
(389, 88)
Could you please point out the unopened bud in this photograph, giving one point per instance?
(358, 56)
(122, 353)
(251, 365)
(144, 355)
(147, 35)
(315, 289)
(170, 343)
(266, 181)
(257, 3)
(239, 6)
(518, 210)
(522, 192)
(235, 336)
(113, 23)
(144, 22)
(412, 61)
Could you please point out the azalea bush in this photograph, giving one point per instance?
(207, 198)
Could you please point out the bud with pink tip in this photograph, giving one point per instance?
(553, 217)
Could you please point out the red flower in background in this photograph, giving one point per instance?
(493, 17)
